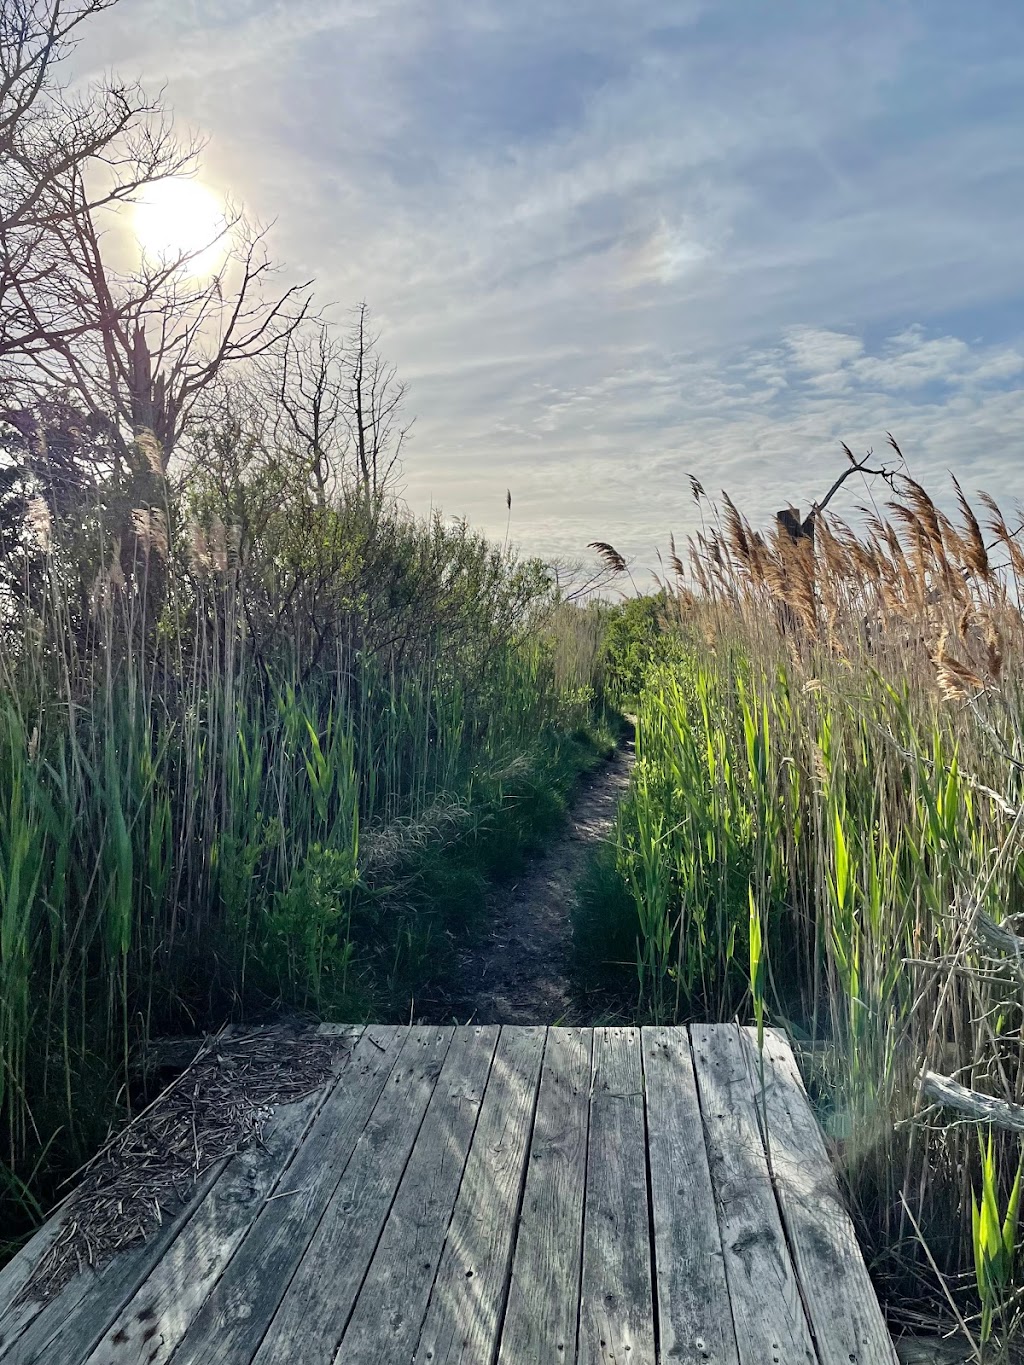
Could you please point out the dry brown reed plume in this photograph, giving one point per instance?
(609, 555)
(917, 590)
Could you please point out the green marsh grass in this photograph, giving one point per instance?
(825, 813)
(258, 762)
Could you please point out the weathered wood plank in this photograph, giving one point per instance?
(463, 1318)
(386, 1320)
(15, 1317)
(84, 1309)
(235, 1316)
(694, 1317)
(311, 1320)
(15, 1314)
(767, 1311)
(617, 1293)
(449, 1203)
(543, 1299)
(152, 1323)
(838, 1294)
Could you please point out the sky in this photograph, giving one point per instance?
(610, 244)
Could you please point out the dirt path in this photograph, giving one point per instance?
(520, 973)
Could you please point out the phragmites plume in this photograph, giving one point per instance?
(975, 551)
(115, 573)
(149, 452)
(927, 512)
(217, 542)
(798, 590)
(696, 487)
(699, 568)
(199, 548)
(674, 560)
(736, 530)
(609, 556)
(956, 681)
(994, 650)
(215, 548)
(39, 521)
(150, 528)
(1006, 538)
(108, 580)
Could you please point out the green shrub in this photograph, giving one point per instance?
(637, 638)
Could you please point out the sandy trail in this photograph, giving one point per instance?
(520, 972)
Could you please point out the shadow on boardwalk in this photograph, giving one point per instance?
(520, 972)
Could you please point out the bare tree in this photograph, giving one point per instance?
(371, 403)
(136, 346)
(575, 582)
(307, 384)
(789, 518)
(337, 406)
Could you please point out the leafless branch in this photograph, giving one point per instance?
(139, 346)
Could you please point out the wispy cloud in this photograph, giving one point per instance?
(611, 243)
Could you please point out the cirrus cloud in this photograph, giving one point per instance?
(608, 244)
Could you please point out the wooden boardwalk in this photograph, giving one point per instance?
(485, 1194)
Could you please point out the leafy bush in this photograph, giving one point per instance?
(636, 638)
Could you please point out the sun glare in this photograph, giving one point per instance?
(180, 217)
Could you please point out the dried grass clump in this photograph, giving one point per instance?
(386, 848)
(219, 1105)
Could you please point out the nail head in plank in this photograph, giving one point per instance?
(543, 1300)
(768, 1315)
(389, 1311)
(694, 1316)
(463, 1318)
(233, 1320)
(617, 1295)
(841, 1303)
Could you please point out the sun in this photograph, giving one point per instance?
(181, 218)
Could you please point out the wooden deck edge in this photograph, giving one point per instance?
(17, 1313)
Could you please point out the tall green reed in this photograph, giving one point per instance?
(196, 785)
(835, 740)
